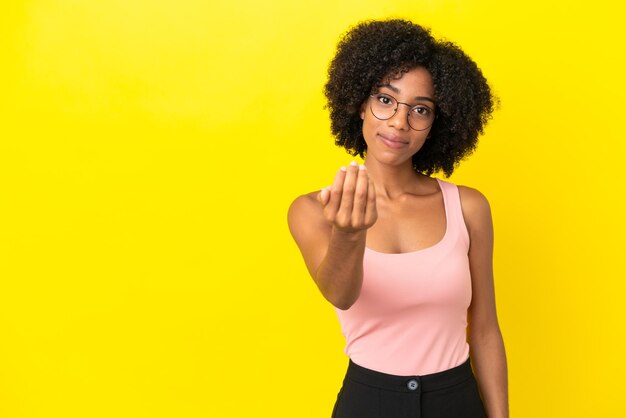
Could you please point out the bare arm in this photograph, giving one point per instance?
(484, 336)
(330, 229)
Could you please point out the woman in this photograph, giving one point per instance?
(405, 258)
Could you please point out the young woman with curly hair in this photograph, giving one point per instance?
(406, 258)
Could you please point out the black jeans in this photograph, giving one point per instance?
(367, 393)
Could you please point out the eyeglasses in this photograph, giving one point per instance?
(384, 106)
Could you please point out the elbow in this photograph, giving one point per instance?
(344, 302)
(342, 294)
(343, 306)
(485, 335)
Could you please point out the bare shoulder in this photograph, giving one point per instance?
(473, 199)
(306, 204)
(309, 229)
(304, 211)
(476, 209)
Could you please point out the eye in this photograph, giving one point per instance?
(384, 99)
(421, 111)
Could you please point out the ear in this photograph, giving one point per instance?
(362, 110)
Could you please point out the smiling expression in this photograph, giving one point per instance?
(393, 141)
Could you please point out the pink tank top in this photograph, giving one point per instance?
(411, 315)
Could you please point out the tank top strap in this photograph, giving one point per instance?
(454, 212)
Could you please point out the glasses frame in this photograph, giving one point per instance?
(408, 120)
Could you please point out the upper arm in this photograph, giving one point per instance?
(309, 229)
(482, 316)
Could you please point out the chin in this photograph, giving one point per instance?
(388, 158)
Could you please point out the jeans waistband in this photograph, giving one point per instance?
(426, 383)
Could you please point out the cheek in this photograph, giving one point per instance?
(368, 128)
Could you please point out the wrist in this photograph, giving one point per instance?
(349, 236)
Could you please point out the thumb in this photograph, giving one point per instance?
(324, 196)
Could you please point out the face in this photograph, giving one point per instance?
(394, 141)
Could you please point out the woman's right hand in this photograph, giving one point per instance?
(349, 204)
(332, 236)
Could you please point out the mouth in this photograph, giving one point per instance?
(393, 141)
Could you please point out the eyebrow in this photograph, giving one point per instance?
(396, 90)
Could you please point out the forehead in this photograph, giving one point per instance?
(414, 82)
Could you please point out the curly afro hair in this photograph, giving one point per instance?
(374, 51)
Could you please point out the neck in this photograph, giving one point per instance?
(393, 181)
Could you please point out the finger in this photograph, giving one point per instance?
(336, 189)
(344, 214)
(371, 214)
(360, 197)
(324, 195)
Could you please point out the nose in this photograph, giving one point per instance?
(400, 119)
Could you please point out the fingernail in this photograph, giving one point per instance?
(353, 163)
(343, 168)
(362, 167)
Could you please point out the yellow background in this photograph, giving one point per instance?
(149, 152)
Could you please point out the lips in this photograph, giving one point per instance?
(392, 141)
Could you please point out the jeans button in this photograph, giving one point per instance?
(412, 384)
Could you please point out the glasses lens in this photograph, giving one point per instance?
(421, 117)
(383, 106)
